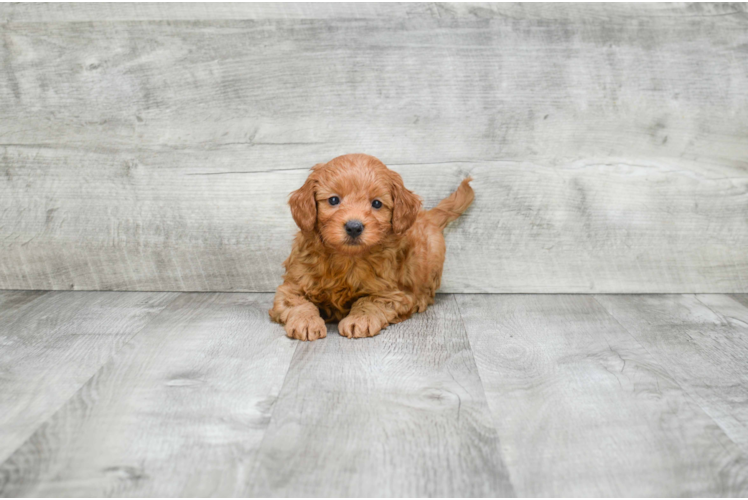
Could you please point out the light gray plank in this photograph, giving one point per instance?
(582, 409)
(172, 11)
(580, 227)
(702, 341)
(613, 13)
(14, 302)
(180, 411)
(120, 85)
(400, 414)
(86, 12)
(51, 346)
(607, 142)
(741, 298)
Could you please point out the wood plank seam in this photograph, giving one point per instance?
(676, 380)
(299, 346)
(91, 395)
(104, 363)
(421, 373)
(586, 410)
(499, 451)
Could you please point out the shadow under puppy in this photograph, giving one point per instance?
(367, 255)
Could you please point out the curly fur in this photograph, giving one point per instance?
(391, 271)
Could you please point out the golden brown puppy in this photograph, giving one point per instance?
(366, 255)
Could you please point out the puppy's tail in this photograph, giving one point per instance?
(453, 205)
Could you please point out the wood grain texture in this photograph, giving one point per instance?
(52, 12)
(51, 344)
(87, 12)
(481, 395)
(152, 147)
(702, 341)
(402, 414)
(177, 231)
(180, 412)
(582, 409)
(13, 302)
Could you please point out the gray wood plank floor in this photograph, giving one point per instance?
(702, 342)
(580, 403)
(198, 394)
(52, 345)
(402, 415)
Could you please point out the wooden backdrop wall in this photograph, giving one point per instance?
(152, 146)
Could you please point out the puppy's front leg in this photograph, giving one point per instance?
(300, 317)
(372, 313)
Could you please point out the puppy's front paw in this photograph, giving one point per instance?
(358, 326)
(306, 328)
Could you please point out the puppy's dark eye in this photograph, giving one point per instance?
(376, 204)
(333, 200)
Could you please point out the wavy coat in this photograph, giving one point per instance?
(390, 271)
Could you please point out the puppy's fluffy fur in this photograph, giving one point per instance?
(390, 271)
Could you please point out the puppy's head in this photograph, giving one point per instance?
(353, 202)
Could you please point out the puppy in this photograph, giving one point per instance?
(367, 255)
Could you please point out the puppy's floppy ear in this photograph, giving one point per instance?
(304, 205)
(407, 205)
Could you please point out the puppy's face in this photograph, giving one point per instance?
(353, 202)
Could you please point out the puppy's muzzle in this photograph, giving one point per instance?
(354, 228)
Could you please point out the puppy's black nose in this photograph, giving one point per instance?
(354, 228)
